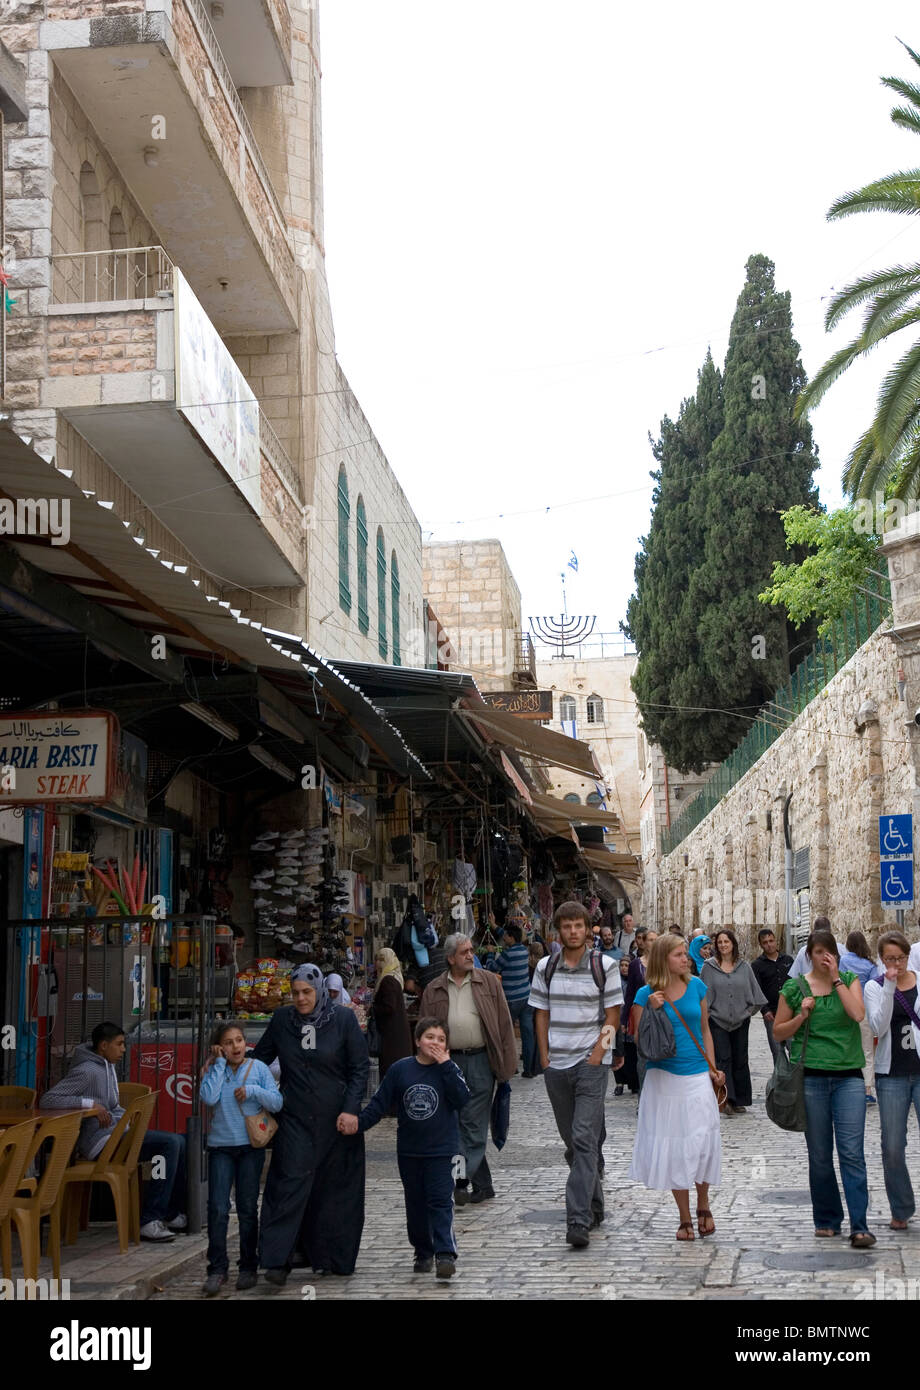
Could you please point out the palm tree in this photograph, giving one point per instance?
(887, 456)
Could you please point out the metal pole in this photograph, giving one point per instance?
(787, 834)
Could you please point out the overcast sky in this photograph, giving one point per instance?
(537, 219)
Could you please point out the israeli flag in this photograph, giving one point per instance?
(573, 562)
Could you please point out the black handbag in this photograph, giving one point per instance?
(655, 1041)
(372, 1035)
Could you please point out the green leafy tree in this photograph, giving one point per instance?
(709, 653)
(843, 564)
(887, 455)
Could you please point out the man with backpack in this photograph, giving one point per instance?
(576, 997)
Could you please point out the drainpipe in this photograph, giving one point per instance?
(787, 835)
(667, 795)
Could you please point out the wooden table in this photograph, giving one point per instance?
(8, 1118)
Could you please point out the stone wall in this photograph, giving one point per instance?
(846, 759)
(79, 344)
(470, 586)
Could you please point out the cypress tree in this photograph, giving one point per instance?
(726, 651)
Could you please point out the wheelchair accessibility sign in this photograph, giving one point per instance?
(896, 853)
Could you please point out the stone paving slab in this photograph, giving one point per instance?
(513, 1248)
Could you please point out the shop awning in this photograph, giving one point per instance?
(534, 741)
(112, 568)
(555, 809)
(623, 866)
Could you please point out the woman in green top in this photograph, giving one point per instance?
(835, 1094)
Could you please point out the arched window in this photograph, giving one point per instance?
(572, 796)
(123, 287)
(344, 515)
(394, 603)
(94, 230)
(381, 594)
(593, 799)
(364, 617)
(566, 708)
(595, 709)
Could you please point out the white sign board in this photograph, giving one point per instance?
(57, 757)
(214, 396)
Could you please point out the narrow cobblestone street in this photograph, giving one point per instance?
(514, 1247)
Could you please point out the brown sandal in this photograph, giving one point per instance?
(686, 1226)
(701, 1216)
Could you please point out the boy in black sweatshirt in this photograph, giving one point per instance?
(428, 1089)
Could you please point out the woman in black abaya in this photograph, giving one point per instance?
(314, 1194)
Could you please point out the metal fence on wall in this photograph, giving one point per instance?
(826, 658)
(155, 977)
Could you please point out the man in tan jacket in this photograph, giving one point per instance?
(471, 1005)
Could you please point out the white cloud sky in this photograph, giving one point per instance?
(537, 217)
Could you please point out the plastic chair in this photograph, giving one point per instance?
(38, 1197)
(131, 1090)
(16, 1098)
(117, 1167)
(15, 1148)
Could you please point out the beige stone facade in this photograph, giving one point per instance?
(846, 760)
(212, 151)
(470, 586)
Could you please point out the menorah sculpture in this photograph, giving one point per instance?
(562, 632)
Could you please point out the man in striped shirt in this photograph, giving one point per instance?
(514, 967)
(576, 1019)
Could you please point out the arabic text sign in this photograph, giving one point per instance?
(527, 704)
(58, 757)
(214, 396)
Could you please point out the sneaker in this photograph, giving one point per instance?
(618, 1090)
(577, 1236)
(461, 1196)
(481, 1194)
(597, 1218)
(213, 1284)
(178, 1223)
(446, 1267)
(246, 1279)
(424, 1264)
(870, 1099)
(277, 1277)
(155, 1230)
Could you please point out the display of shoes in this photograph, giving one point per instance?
(262, 902)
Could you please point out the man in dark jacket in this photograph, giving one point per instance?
(771, 970)
(471, 1004)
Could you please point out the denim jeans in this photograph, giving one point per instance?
(165, 1197)
(240, 1165)
(522, 1014)
(896, 1094)
(835, 1108)
(577, 1097)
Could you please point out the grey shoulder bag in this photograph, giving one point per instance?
(785, 1097)
(655, 1041)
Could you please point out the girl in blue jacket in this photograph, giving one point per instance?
(234, 1086)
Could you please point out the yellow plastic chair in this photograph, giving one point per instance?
(16, 1098)
(131, 1090)
(38, 1197)
(15, 1148)
(117, 1167)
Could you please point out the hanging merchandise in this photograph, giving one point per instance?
(464, 879)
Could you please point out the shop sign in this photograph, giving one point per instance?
(526, 704)
(48, 757)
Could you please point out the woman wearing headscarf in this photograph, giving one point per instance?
(389, 1011)
(314, 1194)
(337, 991)
(699, 952)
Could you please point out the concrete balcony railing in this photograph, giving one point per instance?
(196, 166)
(137, 367)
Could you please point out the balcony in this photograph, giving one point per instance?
(255, 36)
(524, 674)
(159, 91)
(138, 369)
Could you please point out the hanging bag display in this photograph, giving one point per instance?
(260, 1127)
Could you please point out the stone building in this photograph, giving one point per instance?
(470, 587)
(663, 794)
(171, 341)
(593, 699)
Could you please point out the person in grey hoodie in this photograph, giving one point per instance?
(732, 997)
(92, 1084)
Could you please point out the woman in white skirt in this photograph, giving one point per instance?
(678, 1143)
